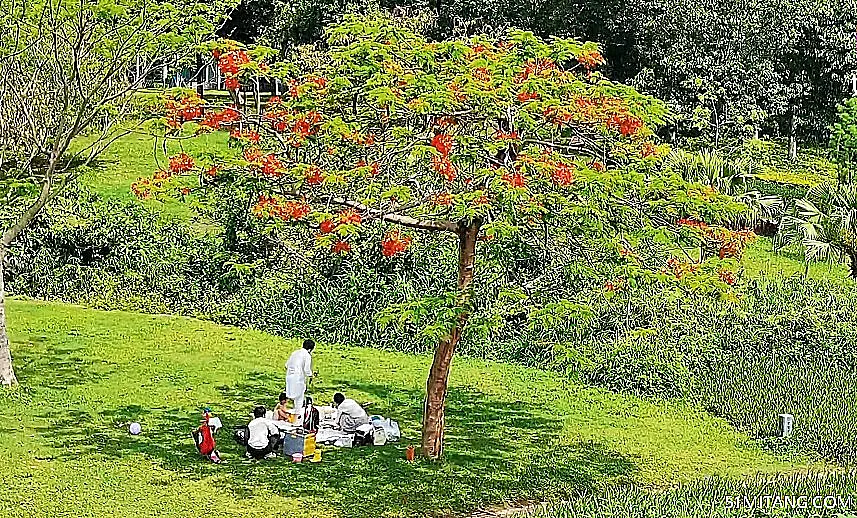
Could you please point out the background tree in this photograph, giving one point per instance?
(513, 142)
(69, 69)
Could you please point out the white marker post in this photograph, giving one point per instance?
(786, 425)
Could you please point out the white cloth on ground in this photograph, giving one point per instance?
(261, 429)
(329, 435)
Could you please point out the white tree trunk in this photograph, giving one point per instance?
(7, 373)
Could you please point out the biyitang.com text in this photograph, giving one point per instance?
(790, 502)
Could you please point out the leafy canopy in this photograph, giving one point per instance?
(516, 136)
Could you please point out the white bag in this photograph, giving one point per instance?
(389, 428)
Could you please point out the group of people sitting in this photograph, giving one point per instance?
(265, 431)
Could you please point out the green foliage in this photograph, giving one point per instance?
(843, 138)
(824, 224)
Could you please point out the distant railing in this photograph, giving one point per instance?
(204, 76)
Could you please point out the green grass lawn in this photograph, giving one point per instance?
(513, 433)
(138, 155)
(760, 260)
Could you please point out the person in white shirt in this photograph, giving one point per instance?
(298, 369)
(264, 435)
(350, 415)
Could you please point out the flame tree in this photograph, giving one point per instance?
(486, 140)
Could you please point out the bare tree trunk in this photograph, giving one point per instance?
(200, 76)
(436, 386)
(7, 373)
(793, 134)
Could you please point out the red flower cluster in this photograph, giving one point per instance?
(443, 143)
(690, 222)
(598, 166)
(481, 200)
(727, 276)
(442, 164)
(515, 179)
(626, 124)
(212, 171)
(327, 226)
(482, 74)
(279, 119)
(349, 217)
(614, 286)
(648, 149)
(730, 243)
(306, 125)
(181, 163)
(142, 188)
(681, 268)
(393, 243)
(340, 247)
(313, 175)
(590, 59)
(524, 96)
(230, 66)
(563, 174)
(214, 120)
(443, 198)
(317, 81)
(536, 68)
(500, 135)
(185, 109)
(249, 135)
(361, 140)
(231, 83)
(288, 211)
(271, 165)
(252, 154)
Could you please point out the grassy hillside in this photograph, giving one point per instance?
(514, 433)
(138, 155)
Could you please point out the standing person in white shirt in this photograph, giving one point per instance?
(298, 369)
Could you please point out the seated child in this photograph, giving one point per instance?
(281, 411)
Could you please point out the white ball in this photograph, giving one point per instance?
(134, 429)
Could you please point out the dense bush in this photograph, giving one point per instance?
(783, 346)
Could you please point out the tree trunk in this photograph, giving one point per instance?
(436, 386)
(792, 134)
(200, 76)
(7, 374)
(853, 265)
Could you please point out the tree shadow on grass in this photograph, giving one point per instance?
(58, 368)
(496, 451)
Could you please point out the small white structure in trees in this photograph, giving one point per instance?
(786, 425)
